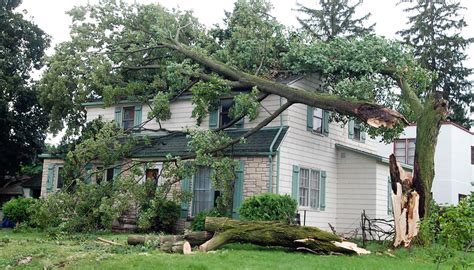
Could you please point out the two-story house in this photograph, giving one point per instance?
(331, 169)
(454, 160)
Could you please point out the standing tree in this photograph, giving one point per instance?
(436, 33)
(149, 53)
(22, 121)
(335, 18)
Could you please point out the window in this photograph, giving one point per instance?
(461, 196)
(224, 110)
(309, 188)
(472, 154)
(318, 120)
(152, 175)
(99, 177)
(357, 132)
(109, 174)
(128, 117)
(404, 150)
(60, 182)
(203, 193)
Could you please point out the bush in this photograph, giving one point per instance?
(88, 208)
(198, 222)
(269, 207)
(160, 216)
(18, 210)
(450, 226)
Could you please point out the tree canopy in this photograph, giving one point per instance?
(436, 33)
(334, 18)
(22, 120)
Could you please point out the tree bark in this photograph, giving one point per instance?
(373, 114)
(194, 238)
(275, 234)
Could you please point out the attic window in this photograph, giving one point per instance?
(357, 132)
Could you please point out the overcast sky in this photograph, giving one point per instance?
(389, 18)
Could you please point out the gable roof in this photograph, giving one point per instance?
(176, 144)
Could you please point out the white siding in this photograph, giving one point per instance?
(306, 149)
(356, 189)
(453, 169)
(181, 115)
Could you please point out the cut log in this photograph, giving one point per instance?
(274, 234)
(405, 201)
(176, 247)
(197, 238)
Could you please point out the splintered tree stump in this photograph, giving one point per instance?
(405, 201)
(275, 234)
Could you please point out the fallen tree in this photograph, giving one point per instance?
(173, 243)
(265, 233)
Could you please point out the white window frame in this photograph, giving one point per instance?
(316, 118)
(407, 142)
(313, 189)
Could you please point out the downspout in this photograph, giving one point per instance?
(270, 157)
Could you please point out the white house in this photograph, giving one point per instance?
(454, 159)
(333, 171)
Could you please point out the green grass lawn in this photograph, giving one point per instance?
(82, 251)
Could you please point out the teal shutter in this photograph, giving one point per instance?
(389, 197)
(351, 129)
(309, 117)
(184, 204)
(322, 191)
(138, 117)
(49, 182)
(240, 124)
(238, 190)
(325, 122)
(118, 116)
(117, 170)
(213, 119)
(295, 183)
(88, 177)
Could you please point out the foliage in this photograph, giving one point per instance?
(18, 210)
(436, 33)
(269, 207)
(22, 120)
(161, 216)
(334, 19)
(88, 208)
(199, 220)
(450, 226)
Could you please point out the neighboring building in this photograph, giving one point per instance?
(333, 171)
(454, 160)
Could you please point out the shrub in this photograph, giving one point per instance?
(85, 209)
(450, 226)
(269, 207)
(161, 216)
(198, 222)
(18, 210)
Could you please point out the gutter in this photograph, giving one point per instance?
(270, 157)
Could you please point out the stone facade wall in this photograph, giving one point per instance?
(44, 178)
(256, 175)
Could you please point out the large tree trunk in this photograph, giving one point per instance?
(427, 131)
(276, 234)
(194, 238)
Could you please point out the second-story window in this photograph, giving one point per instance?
(404, 150)
(224, 117)
(318, 120)
(128, 117)
(357, 132)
